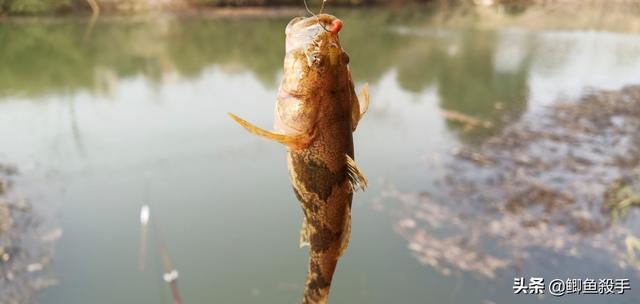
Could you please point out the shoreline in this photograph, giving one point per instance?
(558, 17)
(123, 7)
(15, 8)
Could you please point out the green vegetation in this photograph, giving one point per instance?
(39, 60)
(57, 58)
(622, 197)
(294, 2)
(25, 7)
(34, 6)
(633, 250)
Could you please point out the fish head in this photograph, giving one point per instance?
(314, 31)
(313, 50)
(316, 73)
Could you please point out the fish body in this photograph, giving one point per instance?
(316, 113)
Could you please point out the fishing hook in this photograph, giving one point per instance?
(319, 12)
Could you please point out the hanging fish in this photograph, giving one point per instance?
(316, 112)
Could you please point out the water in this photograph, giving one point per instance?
(135, 112)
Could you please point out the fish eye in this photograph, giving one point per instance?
(345, 57)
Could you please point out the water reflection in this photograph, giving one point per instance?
(51, 58)
(485, 73)
(26, 246)
(150, 94)
(545, 183)
(463, 66)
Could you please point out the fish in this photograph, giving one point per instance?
(316, 113)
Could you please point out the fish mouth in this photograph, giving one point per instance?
(327, 22)
(313, 32)
(336, 26)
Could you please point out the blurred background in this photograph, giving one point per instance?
(502, 141)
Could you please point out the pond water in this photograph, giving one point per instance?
(135, 112)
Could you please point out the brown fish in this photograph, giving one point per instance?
(316, 112)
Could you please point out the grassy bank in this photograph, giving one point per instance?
(40, 7)
(29, 7)
(51, 7)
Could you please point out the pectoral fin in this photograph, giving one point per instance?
(364, 99)
(357, 180)
(293, 141)
(360, 106)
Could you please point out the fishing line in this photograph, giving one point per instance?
(316, 15)
(170, 274)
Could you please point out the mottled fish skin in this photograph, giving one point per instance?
(325, 95)
(316, 113)
(319, 179)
